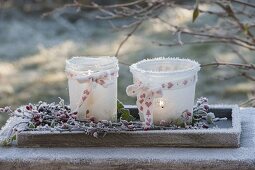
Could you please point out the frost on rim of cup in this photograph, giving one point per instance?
(92, 85)
(165, 90)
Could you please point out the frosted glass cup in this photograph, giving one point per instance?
(165, 90)
(92, 85)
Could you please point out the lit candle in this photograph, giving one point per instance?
(93, 87)
(165, 89)
(161, 103)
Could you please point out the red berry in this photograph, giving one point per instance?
(92, 119)
(206, 107)
(36, 117)
(205, 126)
(188, 113)
(64, 119)
(62, 116)
(29, 107)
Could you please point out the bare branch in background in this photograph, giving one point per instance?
(248, 76)
(199, 42)
(244, 3)
(243, 69)
(127, 37)
(237, 33)
(249, 102)
(240, 66)
(234, 25)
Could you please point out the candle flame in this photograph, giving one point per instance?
(161, 103)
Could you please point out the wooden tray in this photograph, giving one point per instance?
(226, 135)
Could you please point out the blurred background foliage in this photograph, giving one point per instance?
(33, 50)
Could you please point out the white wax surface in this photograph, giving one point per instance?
(101, 103)
(176, 78)
(175, 102)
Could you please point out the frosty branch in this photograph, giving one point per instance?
(233, 24)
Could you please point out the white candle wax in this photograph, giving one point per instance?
(173, 103)
(101, 85)
(167, 83)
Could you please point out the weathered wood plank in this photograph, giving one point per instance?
(220, 137)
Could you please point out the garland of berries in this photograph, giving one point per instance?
(59, 117)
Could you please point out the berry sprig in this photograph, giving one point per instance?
(201, 108)
(202, 111)
(59, 117)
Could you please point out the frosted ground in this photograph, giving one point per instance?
(33, 51)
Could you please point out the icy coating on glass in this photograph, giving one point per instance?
(176, 78)
(93, 87)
